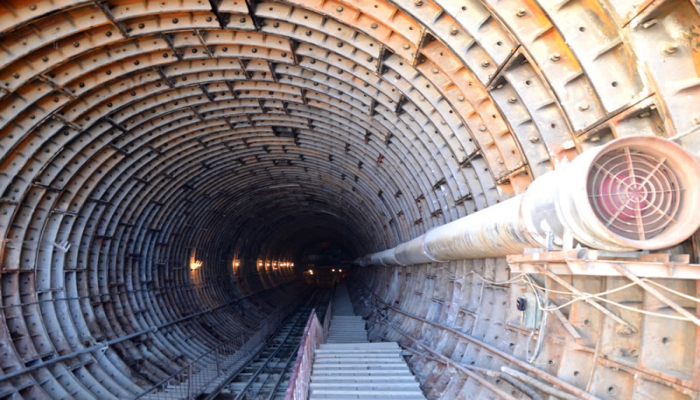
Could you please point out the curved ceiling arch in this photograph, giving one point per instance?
(136, 136)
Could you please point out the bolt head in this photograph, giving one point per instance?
(521, 12)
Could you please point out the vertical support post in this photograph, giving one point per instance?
(189, 381)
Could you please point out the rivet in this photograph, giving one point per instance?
(454, 31)
(32, 7)
(534, 139)
(649, 24)
(435, 70)
(499, 86)
(397, 76)
(254, 50)
(374, 26)
(460, 98)
(485, 64)
(55, 99)
(141, 26)
(418, 3)
(340, 44)
(512, 100)
(308, 33)
(276, 24)
(406, 46)
(555, 57)
(16, 75)
(339, 9)
(242, 20)
(175, 20)
(521, 12)
(369, 59)
(209, 19)
(500, 161)
(583, 106)
(482, 128)
(76, 44)
(109, 33)
(669, 48)
(44, 59)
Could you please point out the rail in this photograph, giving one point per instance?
(199, 373)
(315, 334)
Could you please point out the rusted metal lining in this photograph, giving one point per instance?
(575, 203)
(133, 131)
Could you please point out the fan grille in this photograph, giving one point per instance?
(635, 194)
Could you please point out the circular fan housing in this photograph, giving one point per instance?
(645, 192)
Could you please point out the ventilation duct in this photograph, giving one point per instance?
(632, 193)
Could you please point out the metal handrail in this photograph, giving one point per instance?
(314, 335)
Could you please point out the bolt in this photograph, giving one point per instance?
(406, 46)
(32, 7)
(109, 33)
(175, 20)
(534, 139)
(44, 59)
(485, 64)
(435, 70)
(583, 106)
(16, 75)
(500, 161)
(649, 24)
(369, 59)
(418, 3)
(669, 48)
(339, 9)
(340, 44)
(76, 44)
(374, 26)
(521, 12)
(555, 57)
(482, 128)
(308, 33)
(512, 100)
(397, 76)
(460, 98)
(276, 24)
(242, 20)
(454, 31)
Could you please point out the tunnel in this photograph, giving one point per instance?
(179, 175)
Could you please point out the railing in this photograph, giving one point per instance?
(314, 335)
(193, 379)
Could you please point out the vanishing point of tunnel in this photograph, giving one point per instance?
(350, 199)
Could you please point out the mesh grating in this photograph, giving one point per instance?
(636, 195)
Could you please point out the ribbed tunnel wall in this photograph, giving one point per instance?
(153, 135)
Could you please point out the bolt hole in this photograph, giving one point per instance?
(614, 84)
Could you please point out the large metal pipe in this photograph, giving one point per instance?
(637, 192)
